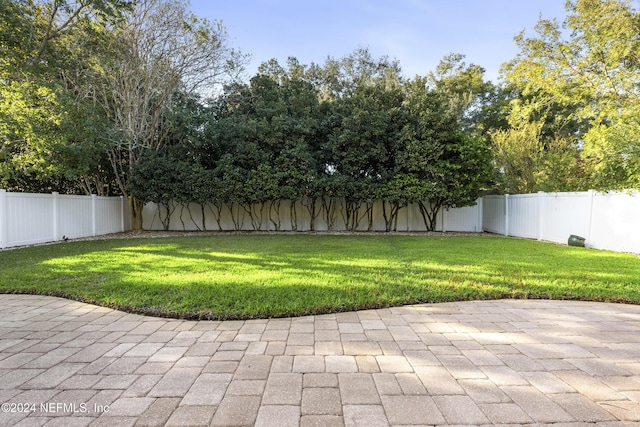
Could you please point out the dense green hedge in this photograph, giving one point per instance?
(279, 138)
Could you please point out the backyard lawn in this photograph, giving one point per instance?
(240, 276)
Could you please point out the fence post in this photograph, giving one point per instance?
(122, 214)
(479, 208)
(506, 215)
(3, 219)
(540, 216)
(592, 194)
(56, 197)
(93, 214)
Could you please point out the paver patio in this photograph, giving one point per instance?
(515, 362)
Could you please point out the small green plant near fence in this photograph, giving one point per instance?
(252, 276)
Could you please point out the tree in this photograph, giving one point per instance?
(157, 178)
(176, 177)
(52, 138)
(267, 132)
(364, 145)
(592, 71)
(158, 50)
(339, 78)
(463, 89)
(273, 139)
(613, 150)
(445, 167)
(527, 159)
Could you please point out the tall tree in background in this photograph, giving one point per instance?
(339, 78)
(464, 90)
(532, 155)
(158, 50)
(51, 137)
(588, 72)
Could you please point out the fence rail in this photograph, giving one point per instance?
(605, 220)
(27, 218)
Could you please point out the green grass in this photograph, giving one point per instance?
(248, 276)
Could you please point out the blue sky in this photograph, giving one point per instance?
(416, 32)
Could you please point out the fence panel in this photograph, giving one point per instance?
(466, 219)
(27, 218)
(3, 219)
(605, 220)
(523, 215)
(564, 214)
(614, 224)
(75, 217)
(494, 214)
(109, 215)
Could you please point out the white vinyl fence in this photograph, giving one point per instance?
(606, 220)
(27, 218)
(190, 218)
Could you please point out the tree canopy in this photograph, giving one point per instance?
(51, 137)
(280, 138)
(142, 98)
(89, 87)
(581, 80)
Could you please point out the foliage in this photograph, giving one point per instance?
(451, 166)
(51, 137)
(279, 138)
(159, 179)
(463, 89)
(276, 142)
(158, 50)
(267, 130)
(340, 78)
(240, 276)
(526, 160)
(589, 73)
(364, 147)
(613, 150)
(106, 96)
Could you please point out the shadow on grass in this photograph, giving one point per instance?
(239, 277)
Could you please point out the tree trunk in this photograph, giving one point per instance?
(218, 213)
(135, 213)
(329, 209)
(204, 219)
(350, 216)
(293, 215)
(390, 220)
(369, 215)
(274, 206)
(313, 212)
(429, 214)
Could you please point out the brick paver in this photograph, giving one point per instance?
(510, 362)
